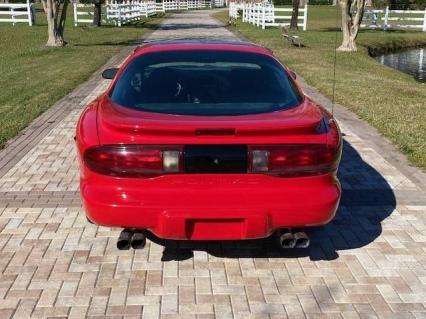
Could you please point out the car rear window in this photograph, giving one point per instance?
(205, 82)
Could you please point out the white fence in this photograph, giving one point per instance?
(83, 13)
(395, 19)
(198, 4)
(177, 5)
(218, 3)
(125, 12)
(233, 8)
(16, 12)
(266, 15)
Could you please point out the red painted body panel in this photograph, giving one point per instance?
(122, 125)
(205, 206)
(166, 205)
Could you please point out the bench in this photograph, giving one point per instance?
(291, 38)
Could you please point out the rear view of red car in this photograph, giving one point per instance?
(208, 141)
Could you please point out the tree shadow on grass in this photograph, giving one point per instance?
(364, 30)
(186, 26)
(109, 43)
(367, 200)
(170, 39)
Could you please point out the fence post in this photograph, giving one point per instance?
(256, 18)
(259, 15)
(385, 26)
(30, 21)
(144, 8)
(74, 5)
(119, 14)
(424, 22)
(12, 13)
(305, 17)
(263, 16)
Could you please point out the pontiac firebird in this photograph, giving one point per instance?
(207, 141)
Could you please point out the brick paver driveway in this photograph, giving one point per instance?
(369, 262)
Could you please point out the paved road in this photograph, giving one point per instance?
(369, 262)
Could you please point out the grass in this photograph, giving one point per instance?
(389, 100)
(34, 77)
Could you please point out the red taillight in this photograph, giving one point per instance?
(293, 160)
(299, 159)
(133, 160)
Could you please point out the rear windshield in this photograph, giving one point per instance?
(205, 83)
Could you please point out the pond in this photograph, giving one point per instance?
(411, 61)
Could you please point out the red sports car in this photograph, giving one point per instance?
(207, 141)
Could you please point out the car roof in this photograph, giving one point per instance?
(200, 44)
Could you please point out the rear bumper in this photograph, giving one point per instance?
(210, 207)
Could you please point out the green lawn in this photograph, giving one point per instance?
(389, 100)
(34, 77)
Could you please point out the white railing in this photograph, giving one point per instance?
(83, 13)
(198, 4)
(129, 11)
(177, 5)
(266, 15)
(394, 19)
(218, 3)
(16, 12)
(233, 8)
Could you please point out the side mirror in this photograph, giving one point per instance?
(292, 74)
(109, 74)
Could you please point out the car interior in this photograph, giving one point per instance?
(190, 85)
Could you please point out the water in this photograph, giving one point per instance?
(411, 61)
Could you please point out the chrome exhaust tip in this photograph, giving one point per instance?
(286, 240)
(123, 241)
(302, 240)
(138, 240)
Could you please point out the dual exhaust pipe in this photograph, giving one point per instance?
(288, 239)
(131, 238)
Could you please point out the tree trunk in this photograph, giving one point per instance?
(55, 22)
(97, 14)
(352, 13)
(347, 44)
(294, 15)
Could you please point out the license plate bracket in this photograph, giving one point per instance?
(215, 158)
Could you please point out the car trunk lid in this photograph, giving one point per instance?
(117, 124)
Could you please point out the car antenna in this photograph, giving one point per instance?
(335, 61)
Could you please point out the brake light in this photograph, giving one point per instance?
(298, 159)
(293, 160)
(133, 160)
